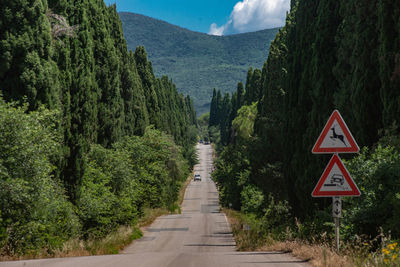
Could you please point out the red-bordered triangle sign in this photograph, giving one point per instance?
(335, 181)
(335, 137)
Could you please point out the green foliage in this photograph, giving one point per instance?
(215, 136)
(377, 174)
(202, 124)
(330, 54)
(119, 183)
(160, 166)
(251, 198)
(197, 61)
(34, 210)
(244, 122)
(276, 215)
(231, 175)
(96, 203)
(72, 58)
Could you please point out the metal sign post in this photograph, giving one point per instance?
(337, 214)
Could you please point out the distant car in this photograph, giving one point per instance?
(201, 141)
(206, 143)
(197, 177)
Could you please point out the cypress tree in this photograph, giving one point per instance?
(225, 122)
(146, 74)
(27, 68)
(389, 60)
(240, 96)
(213, 109)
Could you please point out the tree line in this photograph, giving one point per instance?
(330, 55)
(98, 133)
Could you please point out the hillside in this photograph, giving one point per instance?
(197, 62)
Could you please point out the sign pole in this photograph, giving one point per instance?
(337, 212)
(337, 223)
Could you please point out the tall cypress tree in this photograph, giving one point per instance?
(389, 60)
(26, 51)
(213, 109)
(225, 122)
(146, 74)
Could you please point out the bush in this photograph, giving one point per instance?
(119, 183)
(96, 203)
(276, 215)
(34, 209)
(377, 174)
(252, 198)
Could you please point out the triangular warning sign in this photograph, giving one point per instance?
(335, 181)
(335, 137)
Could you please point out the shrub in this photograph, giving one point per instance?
(377, 174)
(34, 209)
(119, 183)
(252, 198)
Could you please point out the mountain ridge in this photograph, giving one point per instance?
(197, 62)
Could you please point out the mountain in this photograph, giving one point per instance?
(197, 62)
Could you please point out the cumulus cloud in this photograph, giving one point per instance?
(215, 30)
(253, 15)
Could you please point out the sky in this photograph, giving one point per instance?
(216, 17)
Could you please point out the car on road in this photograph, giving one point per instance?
(197, 177)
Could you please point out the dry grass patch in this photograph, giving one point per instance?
(316, 255)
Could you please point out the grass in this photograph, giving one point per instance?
(318, 254)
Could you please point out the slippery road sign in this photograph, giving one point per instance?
(335, 181)
(335, 137)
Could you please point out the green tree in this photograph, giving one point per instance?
(34, 209)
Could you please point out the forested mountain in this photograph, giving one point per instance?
(197, 62)
(71, 148)
(330, 55)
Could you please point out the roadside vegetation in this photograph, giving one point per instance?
(123, 188)
(92, 144)
(264, 133)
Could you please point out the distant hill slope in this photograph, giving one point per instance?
(197, 62)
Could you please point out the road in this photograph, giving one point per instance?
(199, 236)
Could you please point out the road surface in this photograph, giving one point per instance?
(199, 236)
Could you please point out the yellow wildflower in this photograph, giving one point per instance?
(385, 251)
(391, 246)
(386, 260)
(394, 257)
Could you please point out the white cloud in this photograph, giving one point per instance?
(253, 15)
(215, 30)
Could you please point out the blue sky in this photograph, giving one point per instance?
(217, 17)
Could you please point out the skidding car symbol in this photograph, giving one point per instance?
(337, 179)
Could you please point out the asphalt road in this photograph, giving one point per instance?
(199, 236)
